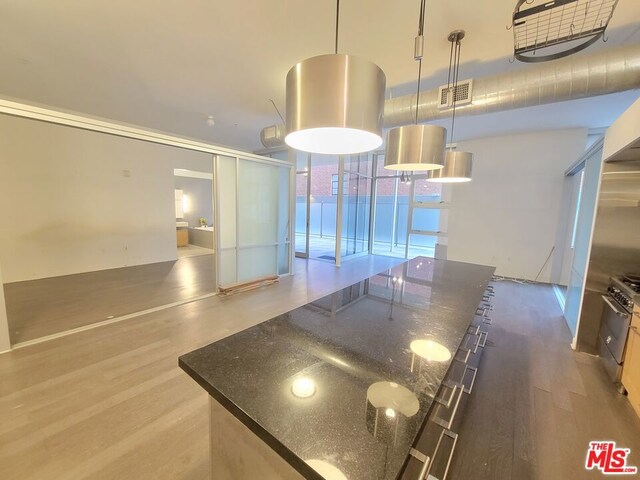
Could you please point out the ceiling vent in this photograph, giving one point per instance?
(463, 92)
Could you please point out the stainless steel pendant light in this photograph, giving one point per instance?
(457, 165)
(416, 147)
(335, 103)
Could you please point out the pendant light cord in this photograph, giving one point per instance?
(337, 23)
(420, 34)
(456, 69)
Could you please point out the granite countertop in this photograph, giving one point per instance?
(337, 381)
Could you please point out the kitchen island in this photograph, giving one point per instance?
(349, 386)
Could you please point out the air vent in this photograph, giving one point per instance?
(463, 93)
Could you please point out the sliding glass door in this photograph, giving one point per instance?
(356, 205)
(253, 219)
(303, 205)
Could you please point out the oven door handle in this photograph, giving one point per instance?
(620, 313)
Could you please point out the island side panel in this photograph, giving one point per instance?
(238, 454)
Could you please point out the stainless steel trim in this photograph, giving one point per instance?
(477, 327)
(469, 389)
(621, 313)
(424, 459)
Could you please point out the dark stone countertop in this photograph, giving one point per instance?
(369, 402)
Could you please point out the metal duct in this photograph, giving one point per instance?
(581, 76)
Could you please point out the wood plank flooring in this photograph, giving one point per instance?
(38, 308)
(536, 403)
(111, 403)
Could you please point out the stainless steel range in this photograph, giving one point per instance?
(616, 318)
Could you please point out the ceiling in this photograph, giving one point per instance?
(168, 64)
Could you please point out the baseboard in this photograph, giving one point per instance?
(104, 323)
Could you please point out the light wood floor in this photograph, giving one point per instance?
(193, 251)
(111, 403)
(38, 308)
(536, 403)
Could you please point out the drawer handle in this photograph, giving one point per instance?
(475, 347)
(469, 389)
(453, 436)
(477, 327)
(446, 424)
(421, 457)
(447, 403)
(487, 321)
(465, 353)
(483, 341)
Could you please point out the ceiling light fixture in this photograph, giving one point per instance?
(457, 165)
(416, 147)
(335, 103)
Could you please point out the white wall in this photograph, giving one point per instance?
(69, 206)
(508, 215)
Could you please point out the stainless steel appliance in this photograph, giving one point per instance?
(616, 318)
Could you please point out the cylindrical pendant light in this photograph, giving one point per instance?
(415, 147)
(457, 164)
(335, 104)
(457, 168)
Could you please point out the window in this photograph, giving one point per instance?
(334, 184)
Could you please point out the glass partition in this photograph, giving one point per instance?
(356, 205)
(303, 190)
(253, 201)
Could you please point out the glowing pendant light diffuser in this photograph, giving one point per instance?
(457, 168)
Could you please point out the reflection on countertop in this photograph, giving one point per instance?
(345, 383)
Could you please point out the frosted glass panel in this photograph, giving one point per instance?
(284, 202)
(227, 201)
(227, 267)
(256, 262)
(258, 196)
(283, 259)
